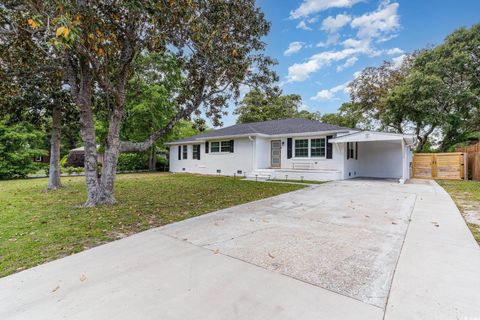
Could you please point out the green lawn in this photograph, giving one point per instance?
(38, 226)
(466, 195)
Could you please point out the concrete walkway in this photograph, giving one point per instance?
(317, 253)
(438, 274)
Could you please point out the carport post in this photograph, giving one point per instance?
(405, 175)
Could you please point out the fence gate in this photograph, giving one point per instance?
(438, 165)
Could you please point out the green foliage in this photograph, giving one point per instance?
(71, 170)
(63, 161)
(132, 161)
(150, 98)
(349, 115)
(271, 105)
(19, 145)
(434, 93)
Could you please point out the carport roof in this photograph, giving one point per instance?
(365, 136)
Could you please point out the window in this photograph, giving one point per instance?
(196, 152)
(301, 148)
(317, 148)
(225, 146)
(184, 153)
(215, 147)
(352, 152)
(221, 146)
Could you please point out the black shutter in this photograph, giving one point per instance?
(289, 148)
(198, 151)
(329, 148)
(179, 152)
(231, 145)
(356, 150)
(348, 150)
(206, 146)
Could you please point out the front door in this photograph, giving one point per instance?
(276, 153)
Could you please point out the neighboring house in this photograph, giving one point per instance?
(76, 157)
(294, 149)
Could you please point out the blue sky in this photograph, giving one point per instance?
(321, 44)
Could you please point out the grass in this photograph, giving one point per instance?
(466, 195)
(38, 226)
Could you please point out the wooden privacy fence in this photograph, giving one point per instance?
(439, 165)
(473, 163)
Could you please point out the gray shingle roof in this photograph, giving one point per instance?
(273, 127)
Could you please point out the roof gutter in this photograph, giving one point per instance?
(262, 135)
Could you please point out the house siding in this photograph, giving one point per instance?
(335, 163)
(228, 163)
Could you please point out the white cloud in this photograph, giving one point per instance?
(294, 47)
(372, 27)
(303, 25)
(333, 24)
(331, 40)
(394, 51)
(301, 71)
(350, 62)
(309, 7)
(329, 94)
(397, 61)
(380, 24)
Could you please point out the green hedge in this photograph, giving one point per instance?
(132, 161)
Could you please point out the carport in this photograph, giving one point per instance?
(372, 154)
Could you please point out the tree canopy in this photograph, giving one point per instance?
(216, 44)
(258, 105)
(434, 92)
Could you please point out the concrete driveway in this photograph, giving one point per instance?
(326, 252)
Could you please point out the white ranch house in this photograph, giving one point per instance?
(294, 149)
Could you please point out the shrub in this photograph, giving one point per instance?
(75, 159)
(63, 161)
(71, 170)
(19, 145)
(132, 161)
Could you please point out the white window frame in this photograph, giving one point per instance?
(196, 155)
(185, 152)
(220, 147)
(324, 138)
(295, 148)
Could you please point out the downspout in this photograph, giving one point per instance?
(254, 153)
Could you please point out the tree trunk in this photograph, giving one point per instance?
(152, 159)
(54, 173)
(83, 94)
(109, 170)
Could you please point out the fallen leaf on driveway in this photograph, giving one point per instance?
(393, 222)
(271, 256)
(216, 251)
(56, 288)
(83, 277)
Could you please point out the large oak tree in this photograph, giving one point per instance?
(216, 43)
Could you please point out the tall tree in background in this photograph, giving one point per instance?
(434, 90)
(455, 67)
(369, 90)
(349, 115)
(217, 44)
(31, 87)
(258, 105)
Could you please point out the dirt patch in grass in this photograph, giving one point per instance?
(466, 195)
(37, 226)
